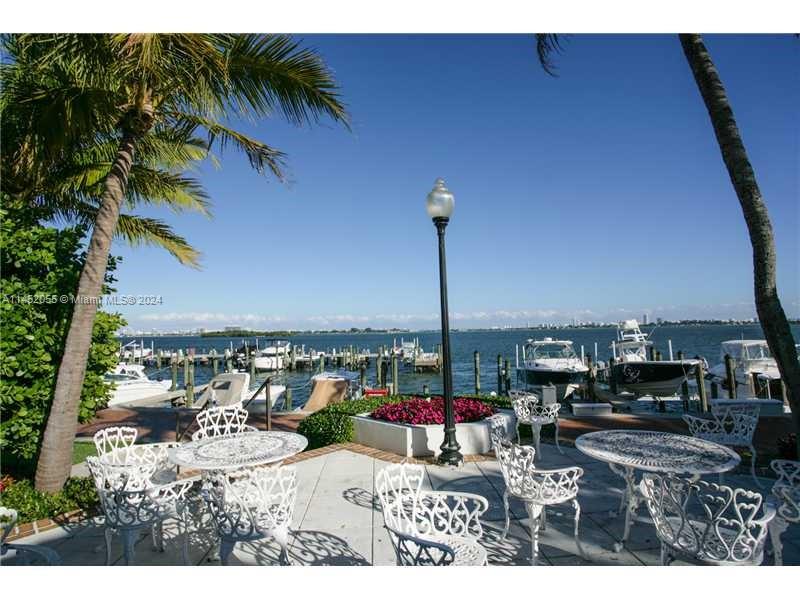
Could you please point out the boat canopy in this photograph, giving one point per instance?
(746, 349)
(550, 348)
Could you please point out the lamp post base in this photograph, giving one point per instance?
(451, 457)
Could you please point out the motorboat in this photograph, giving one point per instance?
(134, 351)
(755, 370)
(132, 386)
(634, 372)
(551, 362)
(274, 356)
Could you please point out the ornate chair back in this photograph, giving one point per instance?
(707, 521)
(113, 438)
(787, 489)
(737, 423)
(251, 503)
(398, 488)
(125, 494)
(221, 421)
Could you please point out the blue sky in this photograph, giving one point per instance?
(598, 194)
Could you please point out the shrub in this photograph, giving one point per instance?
(39, 265)
(430, 411)
(31, 504)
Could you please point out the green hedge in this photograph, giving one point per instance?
(332, 424)
(32, 505)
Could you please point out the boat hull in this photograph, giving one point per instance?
(652, 378)
(565, 382)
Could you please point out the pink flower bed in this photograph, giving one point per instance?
(421, 411)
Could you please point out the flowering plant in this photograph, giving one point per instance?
(430, 411)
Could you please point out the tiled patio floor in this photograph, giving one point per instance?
(337, 521)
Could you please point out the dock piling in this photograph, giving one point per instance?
(477, 362)
(730, 377)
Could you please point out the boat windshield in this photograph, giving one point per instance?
(553, 351)
(119, 377)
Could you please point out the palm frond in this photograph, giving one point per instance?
(260, 155)
(548, 44)
(269, 72)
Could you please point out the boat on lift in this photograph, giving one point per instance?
(132, 385)
(551, 362)
(754, 369)
(634, 372)
(274, 356)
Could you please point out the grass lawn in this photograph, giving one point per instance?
(80, 450)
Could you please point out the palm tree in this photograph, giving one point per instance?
(771, 315)
(178, 83)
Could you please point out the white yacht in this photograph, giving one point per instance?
(274, 356)
(131, 385)
(750, 357)
(233, 388)
(634, 372)
(551, 362)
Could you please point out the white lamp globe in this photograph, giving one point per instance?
(440, 202)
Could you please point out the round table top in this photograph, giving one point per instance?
(240, 450)
(657, 451)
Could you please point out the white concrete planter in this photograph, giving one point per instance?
(424, 440)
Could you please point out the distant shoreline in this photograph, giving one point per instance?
(370, 331)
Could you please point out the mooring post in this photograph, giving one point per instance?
(499, 374)
(159, 357)
(287, 401)
(269, 402)
(658, 355)
(684, 386)
(476, 357)
(507, 376)
(253, 365)
(362, 376)
(425, 389)
(612, 380)
(214, 363)
(292, 359)
(395, 371)
(190, 385)
(591, 376)
(185, 369)
(173, 363)
(700, 375)
(378, 358)
(730, 377)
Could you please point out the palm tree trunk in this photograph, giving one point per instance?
(55, 457)
(773, 320)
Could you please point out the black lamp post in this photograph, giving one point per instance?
(440, 205)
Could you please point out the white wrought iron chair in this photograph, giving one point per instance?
(220, 421)
(252, 504)
(536, 488)
(731, 425)
(429, 528)
(131, 503)
(113, 438)
(529, 411)
(706, 523)
(786, 497)
(152, 455)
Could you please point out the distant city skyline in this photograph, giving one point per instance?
(170, 322)
(598, 194)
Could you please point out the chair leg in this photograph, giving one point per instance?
(665, 556)
(282, 537)
(508, 517)
(158, 536)
(534, 512)
(776, 527)
(536, 430)
(129, 543)
(576, 505)
(183, 531)
(108, 534)
(753, 466)
(225, 548)
(543, 526)
(557, 446)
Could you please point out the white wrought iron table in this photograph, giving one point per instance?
(625, 451)
(223, 453)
